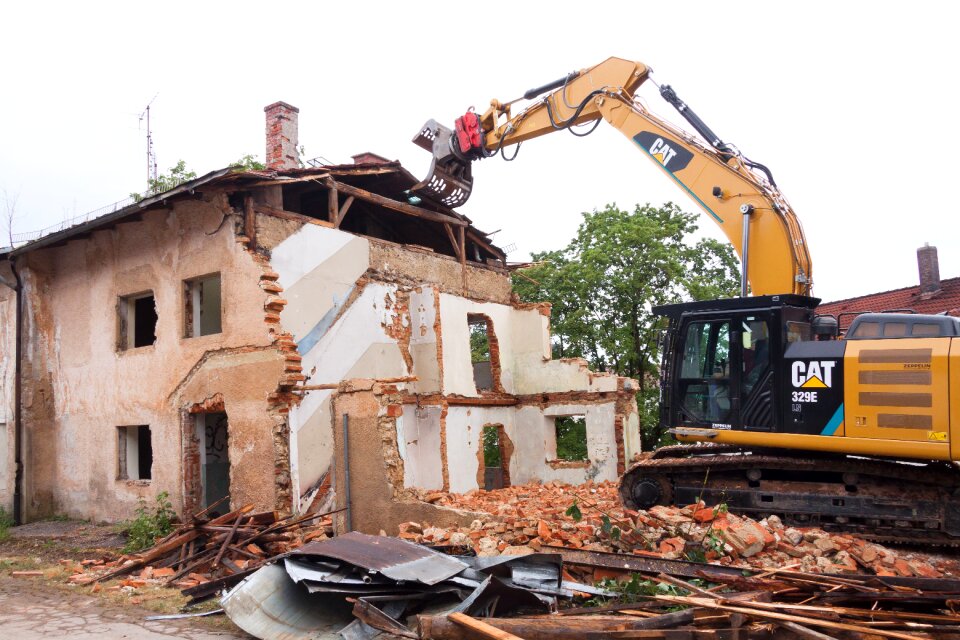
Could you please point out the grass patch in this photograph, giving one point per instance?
(6, 521)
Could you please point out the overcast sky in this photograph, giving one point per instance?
(851, 104)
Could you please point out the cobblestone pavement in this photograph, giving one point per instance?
(28, 612)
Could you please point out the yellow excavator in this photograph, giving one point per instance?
(778, 414)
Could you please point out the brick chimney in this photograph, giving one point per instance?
(929, 270)
(368, 157)
(282, 120)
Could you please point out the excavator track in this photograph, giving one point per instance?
(882, 500)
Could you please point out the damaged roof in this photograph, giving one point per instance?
(375, 201)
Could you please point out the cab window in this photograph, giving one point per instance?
(755, 337)
(867, 330)
(705, 371)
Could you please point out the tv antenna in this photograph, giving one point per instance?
(151, 156)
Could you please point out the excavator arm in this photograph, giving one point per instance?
(737, 194)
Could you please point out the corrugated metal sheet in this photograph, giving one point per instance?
(269, 605)
(394, 558)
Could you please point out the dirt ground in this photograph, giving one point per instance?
(49, 606)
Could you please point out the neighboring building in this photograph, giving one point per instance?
(931, 295)
(208, 341)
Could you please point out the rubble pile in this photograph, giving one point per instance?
(207, 553)
(357, 585)
(529, 518)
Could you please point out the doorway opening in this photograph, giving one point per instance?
(496, 449)
(212, 435)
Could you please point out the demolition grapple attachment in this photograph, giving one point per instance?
(450, 181)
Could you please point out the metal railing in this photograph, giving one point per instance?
(30, 236)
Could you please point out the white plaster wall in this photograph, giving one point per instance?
(457, 367)
(356, 346)
(631, 437)
(524, 340)
(8, 310)
(423, 341)
(418, 439)
(464, 429)
(318, 268)
(535, 443)
(529, 428)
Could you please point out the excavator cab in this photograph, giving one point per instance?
(721, 361)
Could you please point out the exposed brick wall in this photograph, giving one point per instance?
(192, 486)
(282, 139)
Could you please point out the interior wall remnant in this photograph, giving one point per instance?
(494, 455)
(418, 438)
(378, 499)
(484, 353)
(569, 442)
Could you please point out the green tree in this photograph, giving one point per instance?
(605, 282)
(174, 176)
(248, 162)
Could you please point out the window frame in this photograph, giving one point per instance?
(126, 320)
(192, 322)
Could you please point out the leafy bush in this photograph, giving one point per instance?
(149, 525)
(6, 521)
(175, 176)
(571, 438)
(491, 447)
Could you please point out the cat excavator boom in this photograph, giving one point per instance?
(736, 193)
(860, 433)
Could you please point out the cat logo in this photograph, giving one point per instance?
(662, 151)
(668, 153)
(816, 374)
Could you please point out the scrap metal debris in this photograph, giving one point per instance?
(361, 586)
(357, 585)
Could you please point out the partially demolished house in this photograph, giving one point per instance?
(284, 337)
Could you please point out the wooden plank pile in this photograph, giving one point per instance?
(779, 603)
(207, 553)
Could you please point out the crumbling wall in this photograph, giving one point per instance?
(344, 326)
(406, 314)
(377, 497)
(441, 447)
(78, 387)
(8, 314)
(523, 338)
(415, 266)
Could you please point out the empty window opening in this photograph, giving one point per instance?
(571, 432)
(481, 354)
(496, 457)
(138, 320)
(202, 306)
(213, 435)
(134, 453)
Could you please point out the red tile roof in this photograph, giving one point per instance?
(946, 301)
